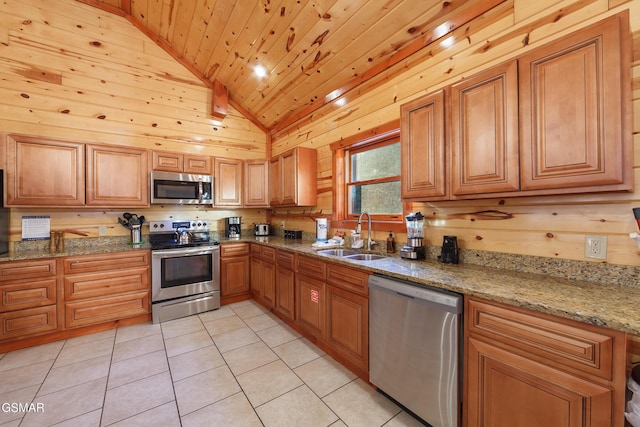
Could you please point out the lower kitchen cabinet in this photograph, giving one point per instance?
(348, 314)
(263, 274)
(235, 270)
(105, 288)
(285, 284)
(311, 297)
(529, 369)
(28, 297)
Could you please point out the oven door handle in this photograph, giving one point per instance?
(166, 253)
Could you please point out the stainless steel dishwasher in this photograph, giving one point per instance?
(414, 347)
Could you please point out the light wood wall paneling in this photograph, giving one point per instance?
(542, 226)
(94, 77)
(88, 221)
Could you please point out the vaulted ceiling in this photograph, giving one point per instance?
(314, 51)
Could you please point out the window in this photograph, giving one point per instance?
(374, 179)
(367, 171)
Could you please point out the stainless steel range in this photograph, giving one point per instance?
(185, 269)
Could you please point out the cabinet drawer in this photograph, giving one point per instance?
(263, 252)
(286, 260)
(21, 323)
(107, 309)
(115, 261)
(27, 269)
(81, 286)
(28, 294)
(311, 267)
(561, 343)
(348, 279)
(234, 249)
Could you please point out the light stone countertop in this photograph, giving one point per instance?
(603, 304)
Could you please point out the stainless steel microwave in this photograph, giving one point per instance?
(170, 188)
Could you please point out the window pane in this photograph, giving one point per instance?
(381, 198)
(376, 163)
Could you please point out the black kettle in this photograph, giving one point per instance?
(449, 253)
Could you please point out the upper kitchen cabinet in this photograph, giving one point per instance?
(484, 132)
(117, 176)
(43, 172)
(422, 146)
(227, 182)
(575, 107)
(293, 178)
(181, 163)
(256, 184)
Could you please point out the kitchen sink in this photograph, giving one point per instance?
(365, 257)
(338, 252)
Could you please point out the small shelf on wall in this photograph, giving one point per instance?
(304, 214)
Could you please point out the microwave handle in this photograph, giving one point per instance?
(200, 191)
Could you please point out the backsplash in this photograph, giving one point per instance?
(620, 275)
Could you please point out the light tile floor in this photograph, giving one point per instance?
(236, 366)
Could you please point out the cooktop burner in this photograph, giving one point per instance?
(179, 234)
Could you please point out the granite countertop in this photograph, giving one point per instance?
(602, 304)
(609, 305)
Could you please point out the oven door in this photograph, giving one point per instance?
(181, 272)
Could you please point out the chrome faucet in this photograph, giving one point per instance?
(369, 242)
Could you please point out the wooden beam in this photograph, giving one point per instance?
(220, 100)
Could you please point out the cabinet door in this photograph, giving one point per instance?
(256, 183)
(348, 325)
(484, 132)
(228, 182)
(573, 98)
(197, 164)
(275, 182)
(423, 148)
(294, 178)
(235, 276)
(166, 161)
(44, 172)
(117, 176)
(21, 323)
(27, 294)
(311, 305)
(269, 280)
(288, 163)
(257, 278)
(285, 292)
(93, 311)
(504, 389)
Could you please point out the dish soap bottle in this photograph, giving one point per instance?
(391, 243)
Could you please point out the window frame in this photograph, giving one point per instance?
(382, 135)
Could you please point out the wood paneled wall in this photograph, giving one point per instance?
(543, 226)
(71, 71)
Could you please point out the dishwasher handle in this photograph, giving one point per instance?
(450, 301)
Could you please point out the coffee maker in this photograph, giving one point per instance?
(415, 238)
(232, 226)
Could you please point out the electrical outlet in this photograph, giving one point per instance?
(595, 247)
(102, 230)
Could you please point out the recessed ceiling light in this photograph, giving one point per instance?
(260, 71)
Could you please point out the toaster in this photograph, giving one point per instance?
(261, 229)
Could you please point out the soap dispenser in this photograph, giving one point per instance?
(391, 243)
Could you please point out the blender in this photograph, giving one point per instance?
(415, 237)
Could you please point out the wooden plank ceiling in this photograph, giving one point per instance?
(314, 51)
